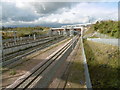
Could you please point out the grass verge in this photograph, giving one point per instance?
(103, 66)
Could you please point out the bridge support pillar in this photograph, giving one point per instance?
(65, 32)
(82, 29)
(50, 33)
(34, 36)
(71, 32)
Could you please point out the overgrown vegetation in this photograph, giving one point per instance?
(12, 72)
(103, 64)
(111, 28)
(75, 77)
(23, 31)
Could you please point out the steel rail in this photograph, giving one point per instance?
(10, 55)
(20, 56)
(23, 51)
(17, 48)
(26, 42)
(26, 80)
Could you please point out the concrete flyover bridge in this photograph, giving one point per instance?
(69, 30)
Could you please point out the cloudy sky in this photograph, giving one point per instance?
(54, 14)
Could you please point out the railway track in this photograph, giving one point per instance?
(19, 43)
(23, 43)
(12, 55)
(11, 42)
(13, 49)
(12, 58)
(31, 78)
(5, 57)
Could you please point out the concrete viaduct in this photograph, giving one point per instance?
(69, 30)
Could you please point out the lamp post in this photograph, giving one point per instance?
(15, 36)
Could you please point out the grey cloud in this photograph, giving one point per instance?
(51, 7)
(10, 11)
(49, 14)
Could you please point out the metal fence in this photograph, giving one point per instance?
(97, 34)
(102, 35)
(105, 41)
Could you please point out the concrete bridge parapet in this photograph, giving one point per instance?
(66, 31)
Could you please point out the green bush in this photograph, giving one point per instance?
(109, 27)
(12, 72)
